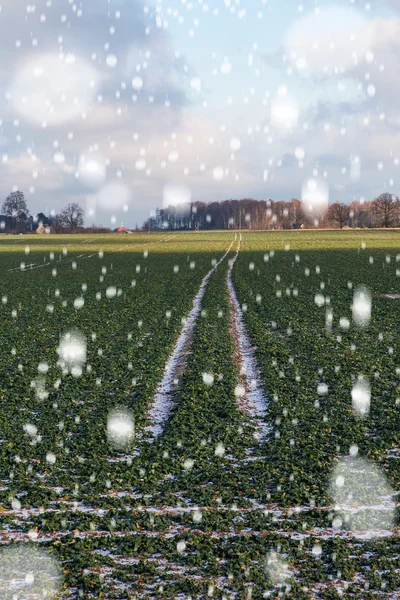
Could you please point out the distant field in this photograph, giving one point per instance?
(228, 484)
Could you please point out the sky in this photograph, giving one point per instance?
(124, 106)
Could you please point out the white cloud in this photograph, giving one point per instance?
(339, 42)
(53, 90)
(328, 39)
(28, 171)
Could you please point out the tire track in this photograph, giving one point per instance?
(161, 408)
(250, 394)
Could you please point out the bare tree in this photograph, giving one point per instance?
(386, 209)
(72, 216)
(57, 222)
(248, 213)
(14, 206)
(363, 214)
(298, 213)
(339, 213)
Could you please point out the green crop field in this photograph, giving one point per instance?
(200, 415)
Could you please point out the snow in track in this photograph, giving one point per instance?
(253, 400)
(162, 404)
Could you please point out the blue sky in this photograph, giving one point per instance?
(113, 104)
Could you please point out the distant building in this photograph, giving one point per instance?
(121, 230)
(45, 229)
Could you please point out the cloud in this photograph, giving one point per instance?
(325, 111)
(347, 77)
(328, 40)
(338, 42)
(85, 38)
(27, 170)
(51, 90)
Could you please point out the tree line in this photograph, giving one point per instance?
(15, 216)
(248, 213)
